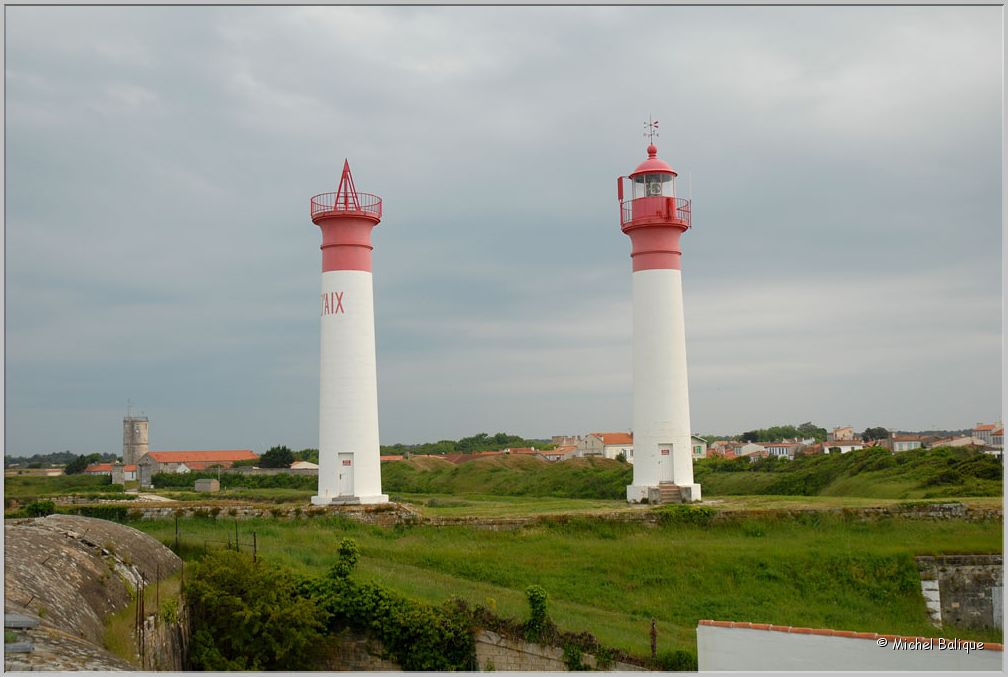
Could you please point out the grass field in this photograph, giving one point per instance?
(26, 487)
(610, 578)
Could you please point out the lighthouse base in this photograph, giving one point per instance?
(349, 500)
(657, 494)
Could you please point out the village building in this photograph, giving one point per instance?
(843, 446)
(154, 462)
(781, 449)
(119, 474)
(985, 432)
(607, 445)
(844, 433)
(898, 443)
(699, 447)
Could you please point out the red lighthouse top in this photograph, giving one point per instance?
(653, 164)
(346, 218)
(346, 201)
(654, 217)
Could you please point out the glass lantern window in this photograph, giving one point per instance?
(652, 185)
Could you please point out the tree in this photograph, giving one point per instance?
(310, 455)
(277, 457)
(79, 463)
(810, 429)
(875, 434)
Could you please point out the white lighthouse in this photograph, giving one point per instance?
(349, 457)
(655, 218)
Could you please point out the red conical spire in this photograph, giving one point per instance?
(346, 194)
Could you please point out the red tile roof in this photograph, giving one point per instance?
(107, 467)
(986, 426)
(187, 456)
(824, 631)
(392, 457)
(615, 438)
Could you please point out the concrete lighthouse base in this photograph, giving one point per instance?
(638, 493)
(349, 500)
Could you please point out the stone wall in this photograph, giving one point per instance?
(353, 651)
(391, 514)
(495, 653)
(69, 573)
(965, 591)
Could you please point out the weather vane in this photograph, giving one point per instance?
(652, 129)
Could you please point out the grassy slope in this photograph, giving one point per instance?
(871, 473)
(612, 578)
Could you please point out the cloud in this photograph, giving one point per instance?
(843, 265)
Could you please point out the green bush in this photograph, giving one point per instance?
(679, 660)
(40, 508)
(249, 616)
(113, 513)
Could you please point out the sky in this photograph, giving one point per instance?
(844, 264)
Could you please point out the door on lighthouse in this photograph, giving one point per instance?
(346, 475)
(665, 462)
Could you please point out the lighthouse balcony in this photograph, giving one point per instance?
(346, 204)
(674, 211)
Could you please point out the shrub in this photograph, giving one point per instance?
(248, 616)
(40, 508)
(679, 660)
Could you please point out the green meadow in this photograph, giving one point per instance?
(610, 578)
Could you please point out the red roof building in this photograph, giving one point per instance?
(154, 462)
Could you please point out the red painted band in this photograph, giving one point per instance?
(346, 242)
(655, 246)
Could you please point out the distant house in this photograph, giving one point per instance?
(905, 442)
(844, 433)
(781, 449)
(129, 472)
(962, 441)
(844, 446)
(723, 449)
(985, 432)
(608, 445)
(997, 438)
(561, 453)
(565, 440)
(750, 448)
(699, 447)
(154, 462)
(521, 451)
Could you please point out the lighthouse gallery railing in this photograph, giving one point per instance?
(327, 203)
(676, 209)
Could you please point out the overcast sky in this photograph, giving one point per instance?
(844, 266)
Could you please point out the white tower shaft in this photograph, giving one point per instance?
(349, 456)
(661, 420)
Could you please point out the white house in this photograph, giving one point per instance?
(608, 445)
(781, 449)
(845, 446)
(699, 445)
